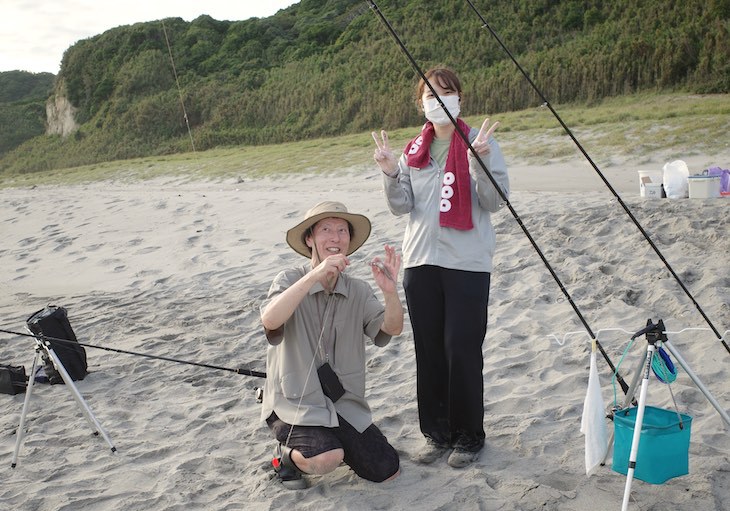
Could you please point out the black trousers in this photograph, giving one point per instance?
(448, 313)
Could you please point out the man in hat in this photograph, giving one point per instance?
(316, 318)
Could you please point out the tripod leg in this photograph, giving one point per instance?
(96, 427)
(637, 428)
(21, 428)
(697, 382)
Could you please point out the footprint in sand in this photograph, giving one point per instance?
(147, 250)
(62, 243)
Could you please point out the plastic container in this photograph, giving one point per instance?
(663, 446)
(724, 179)
(704, 187)
(647, 177)
(654, 191)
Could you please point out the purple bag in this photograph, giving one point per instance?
(724, 177)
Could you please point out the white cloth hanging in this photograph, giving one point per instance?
(593, 421)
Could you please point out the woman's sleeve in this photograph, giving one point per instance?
(397, 188)
(488, 196)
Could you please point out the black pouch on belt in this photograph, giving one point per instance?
(331, 385)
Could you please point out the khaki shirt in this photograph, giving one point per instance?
(292, 388)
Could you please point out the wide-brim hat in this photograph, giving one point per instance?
(328, 209)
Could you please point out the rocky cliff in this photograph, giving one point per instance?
(60, 113)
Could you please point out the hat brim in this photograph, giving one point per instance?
(360, 231)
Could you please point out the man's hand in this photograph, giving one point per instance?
(385, 272)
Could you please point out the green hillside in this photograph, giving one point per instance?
(22, 106)
(330, 67)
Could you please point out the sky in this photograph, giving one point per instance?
(35, 33)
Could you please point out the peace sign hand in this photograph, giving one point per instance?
(481, 143)
(384, 156)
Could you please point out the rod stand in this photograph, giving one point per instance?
(655, 334)
(656, 337)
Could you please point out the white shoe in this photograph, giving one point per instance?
(461, 458)
(430, 452)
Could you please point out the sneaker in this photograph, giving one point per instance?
(461, 458)
(430, 452)
(286, 471)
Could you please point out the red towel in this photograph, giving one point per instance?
(456, 186)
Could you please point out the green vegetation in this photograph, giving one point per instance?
(22, 106)
(633, 126)
(325, 68)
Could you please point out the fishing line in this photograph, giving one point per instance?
(330, 300)
(240, 370)
(561, 342)
(507, 203)
(177, 82)
(600, 174)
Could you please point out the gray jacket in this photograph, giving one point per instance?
(418, 193)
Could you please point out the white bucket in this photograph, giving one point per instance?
(654, 190)
(649, 177)
(704, 187)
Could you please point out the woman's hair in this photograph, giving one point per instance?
(443, 76)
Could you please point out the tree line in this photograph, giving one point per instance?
(327, 67)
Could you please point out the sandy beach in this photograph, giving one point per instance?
(178, 269)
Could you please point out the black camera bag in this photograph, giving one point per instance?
(331, 385)
(52, 323)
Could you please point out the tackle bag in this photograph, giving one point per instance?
(12, 379)
(52, 323)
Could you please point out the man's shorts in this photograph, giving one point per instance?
(368, 453)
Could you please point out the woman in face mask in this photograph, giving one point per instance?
(447, 258)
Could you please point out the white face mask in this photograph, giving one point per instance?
(436, 114)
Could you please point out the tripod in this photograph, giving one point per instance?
(655, 334)
(42, 346)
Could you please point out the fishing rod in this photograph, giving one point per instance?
(600, 174)
(240, 370)
(507, 203)
(177, 83)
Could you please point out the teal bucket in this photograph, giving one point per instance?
(663, 446)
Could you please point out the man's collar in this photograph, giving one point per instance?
(340, 286)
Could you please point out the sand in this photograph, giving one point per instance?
(178, 269)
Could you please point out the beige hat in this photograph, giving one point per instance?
(328, 209)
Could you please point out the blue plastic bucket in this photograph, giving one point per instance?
(663, 446)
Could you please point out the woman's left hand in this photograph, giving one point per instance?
(481, 143)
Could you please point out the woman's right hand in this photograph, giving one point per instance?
(384, 156)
